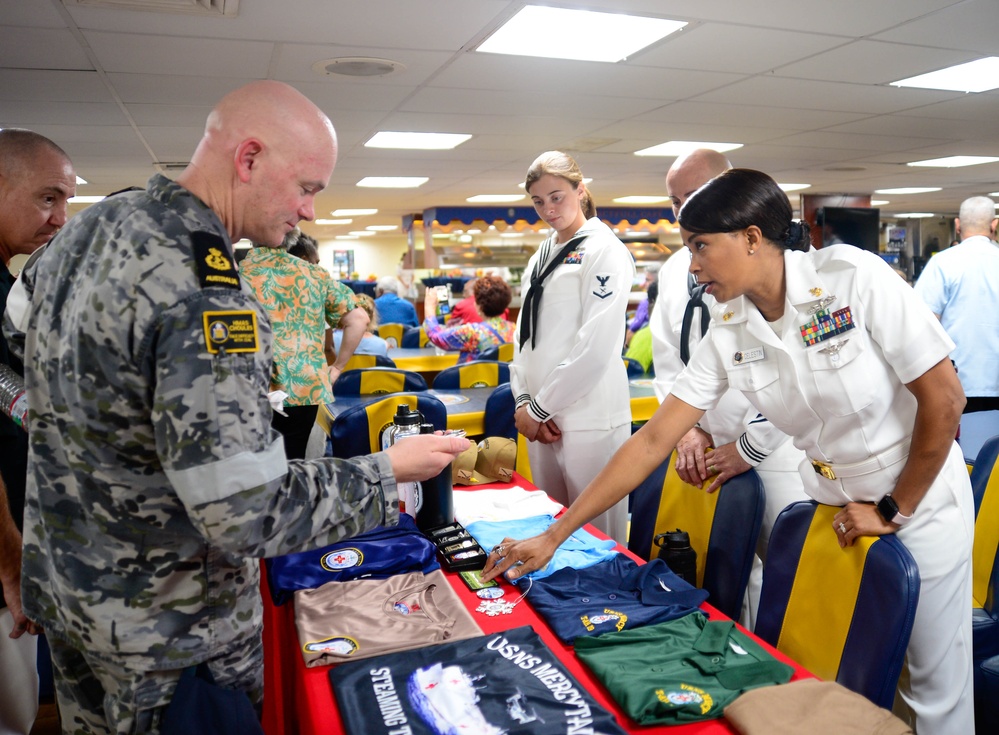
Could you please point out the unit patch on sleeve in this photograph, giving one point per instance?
(231, 331)
(211, 256)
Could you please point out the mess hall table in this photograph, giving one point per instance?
(300, 701)
(422, 359)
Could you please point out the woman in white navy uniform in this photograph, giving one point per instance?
(839, 353)
(570, 384)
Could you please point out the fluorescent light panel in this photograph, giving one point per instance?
(494, 198)
(793, 187)
(879, 202)
(974, 76)
(954, 161)
(908, 190)
(393, 182)
(382, 228)
(361, 233)
(344, 221)
(913, 215)
(679, 148)
(638, 199)
(582, 35)
(416, 141)
(88, 199)
(80, 181)
(353, 212)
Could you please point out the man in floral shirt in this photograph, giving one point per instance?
(301, 299)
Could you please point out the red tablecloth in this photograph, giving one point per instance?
(300, 701)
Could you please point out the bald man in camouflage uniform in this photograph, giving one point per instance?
(155, 478)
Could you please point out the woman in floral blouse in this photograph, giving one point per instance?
(492, 297)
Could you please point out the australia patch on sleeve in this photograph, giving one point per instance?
(231, 331)
(211, 256)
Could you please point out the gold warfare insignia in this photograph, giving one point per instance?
(211, 260)
(727, 315)
(231, 331)
(816, 292)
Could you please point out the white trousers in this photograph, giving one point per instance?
(18, 679)
(937, 687)
(565, 468)
(782, 486)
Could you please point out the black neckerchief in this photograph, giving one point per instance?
(696, 301)
(532, 303)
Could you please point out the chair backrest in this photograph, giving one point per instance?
(358, 430)
(414, 337)
(634, 367)
(985, 548)
(376, 381)
(498, 421)
(358, 362)
(723, 526)
(474, 374)
(845, 614)
(392, 333)
(503, 352)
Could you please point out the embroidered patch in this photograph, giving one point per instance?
(341, 559)
(602, 291)
(211, 258)
(231, 331)
(341, 646)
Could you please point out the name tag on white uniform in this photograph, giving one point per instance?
(751, 355)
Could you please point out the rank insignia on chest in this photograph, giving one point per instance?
(231, 331)
(825, 325)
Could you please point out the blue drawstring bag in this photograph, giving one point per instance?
(201, 707)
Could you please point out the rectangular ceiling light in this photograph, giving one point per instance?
(582, 35)
(954, 161)
(86, 199)
(679, 148)
(494, 198)
(908, 190)
(382, 228)
(913, 215)
(417, 141)
(343, 221)
(639, 199)
(793, 187)
(80, 181)
(393, 182)
(353, 212)
(974, 76)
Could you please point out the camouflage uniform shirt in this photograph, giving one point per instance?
(154, 475)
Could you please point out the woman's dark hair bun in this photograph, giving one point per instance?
(798, 236)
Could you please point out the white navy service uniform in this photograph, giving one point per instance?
(761, 445)
(844, 402)
(574, 373)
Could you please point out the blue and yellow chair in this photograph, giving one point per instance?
(634, 367)
(474, 374)
(377, 381)
(392, 333)
(358, 430)
(723, 526)
(498, 421)
(359, 362)
(414, 337)
(819, 601)
(984, 584)
(503, 352)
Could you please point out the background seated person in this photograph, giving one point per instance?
(393, 309)
(640, 347)
(492, 297)
(370, 343)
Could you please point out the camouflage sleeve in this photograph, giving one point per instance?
(210, 358)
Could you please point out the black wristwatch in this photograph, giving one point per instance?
(888, 509)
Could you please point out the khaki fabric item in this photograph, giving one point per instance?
(811, 706)
(492, 460)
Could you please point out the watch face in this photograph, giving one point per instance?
(888, 508)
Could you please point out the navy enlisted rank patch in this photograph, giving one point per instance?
(211, 257)
(231, 331)
(602, 291)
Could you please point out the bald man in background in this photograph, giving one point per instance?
(156, 479)
(732, 437)
(36, 181)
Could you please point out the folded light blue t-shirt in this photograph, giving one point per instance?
(581, 550)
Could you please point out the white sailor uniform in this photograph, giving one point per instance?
(832, 374)
(573, 372)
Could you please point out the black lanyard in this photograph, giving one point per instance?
(696, 301)
(532, 302)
